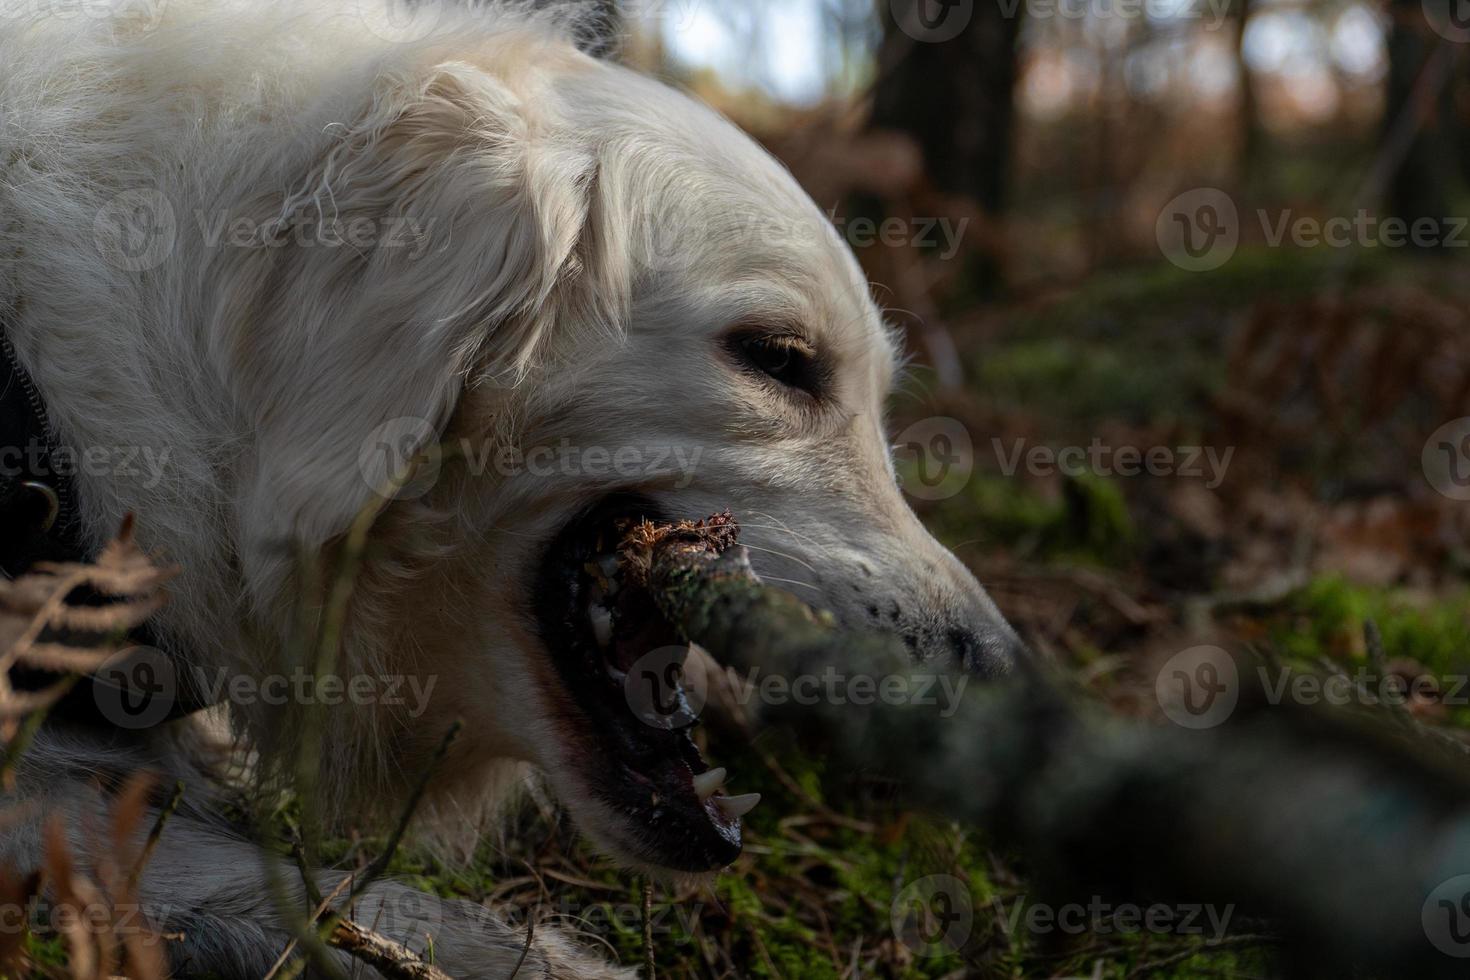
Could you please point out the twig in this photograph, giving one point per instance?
(321, 907)
(357, 939)
(16, 746)
(393, 960)
(526, 949)
(1373, 642)
(1174, 959)
(380, 864)
(648, 927)
(308, 880)
(154, 834)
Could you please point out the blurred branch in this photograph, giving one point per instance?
(1338, 834)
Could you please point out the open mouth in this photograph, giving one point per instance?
(619, 661)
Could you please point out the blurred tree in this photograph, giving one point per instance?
(1419, 139)
(1250, 147)
(946, 79)
(955, 96)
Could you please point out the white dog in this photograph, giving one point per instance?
(254, 255)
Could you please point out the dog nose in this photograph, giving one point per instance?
(988, 652)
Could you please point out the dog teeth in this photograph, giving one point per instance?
(736, 807)
(706, 784)
(609, 566)
(602, 624)
(615, 675)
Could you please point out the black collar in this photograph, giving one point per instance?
(39, 521)
(38, 511)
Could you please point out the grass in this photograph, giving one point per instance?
(829, 854)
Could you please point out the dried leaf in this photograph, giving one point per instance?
(40, 619)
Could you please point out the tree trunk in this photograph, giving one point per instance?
(953, 95)
(1418, 134)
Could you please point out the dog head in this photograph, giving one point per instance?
(622, 307)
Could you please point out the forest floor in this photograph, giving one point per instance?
(1303, 396)
(1315, 391)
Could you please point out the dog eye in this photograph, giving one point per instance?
(784, 358)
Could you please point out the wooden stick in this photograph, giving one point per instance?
(1350, 837)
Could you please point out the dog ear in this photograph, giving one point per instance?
(444, 236)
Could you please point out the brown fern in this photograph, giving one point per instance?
(40, 605)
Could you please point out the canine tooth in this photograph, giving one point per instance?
(609, 566)
(735, 807)
(706, 784)
(618, 676)
(602, 624)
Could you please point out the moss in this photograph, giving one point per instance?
(1089, 521)
(1327, 618)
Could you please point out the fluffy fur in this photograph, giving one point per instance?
(580, 240)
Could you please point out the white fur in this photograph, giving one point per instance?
(591, 235)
